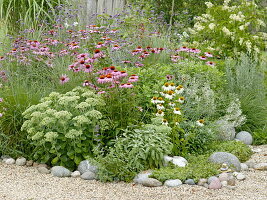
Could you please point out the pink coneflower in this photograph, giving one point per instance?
(169, 77)
(101, 79)
(194, 50)
(139, 49)
(202, 57)
(123, 74)
(2, 58)
(133, 79)
(125, 61)
(101, 92)
(208, 54)
(64, 79)
(115, 47)
(100, 44)
(184, 48)
(88, 68)
(86, 83)
(135, 52)
(83, 56)
(127, 85)
(137, 64)
(210, 63)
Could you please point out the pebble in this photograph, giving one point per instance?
(60, 171)
(151, 182)
(35, 164)
(206, 185)
(21, 161)
(244, 167)
(261, 166)
(240, 177)
(190, 182)
(211, 179)
(202, 181)
(88, 175)
(224, 183)
(250, 164)
(173, 183)
(215, 184)
(75, 174)
(29, 163)
(224, 176)
(10, 161)
(231, 181)
(43, 170)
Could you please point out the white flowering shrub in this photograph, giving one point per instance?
(231, 28)
(64, 127)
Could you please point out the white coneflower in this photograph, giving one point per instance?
(164, 122)
(154, 100)
(166, 87)
(160, 107)
(160, 113)
(172, 86)
(171, 104)
(181, 100)
(160, 100)
(200, 122)
(179, 89)
(170, 94)
(211, 26)
(177, 111)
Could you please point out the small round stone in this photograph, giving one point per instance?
(202, 181)
(173, 183)
(224, 176)
(43, 170)
(215, 184)
(190, 182)
(10, 161)
(240, 177)
(21, 161)
(224, 183)
(75, 174)
(29, 163)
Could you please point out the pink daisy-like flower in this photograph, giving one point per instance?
(101, 92)
(137, 64)
(194, 50)
(202, 57)
(2, 58)
(115, 47)
(208, 54)
(127, 85)
(1, 100)
(64, 79)
(83, 56)
(169, 77)
(86, 83)
(125, 61)
(210, 63)
(184, 48)
(88, 68)
(100, 44)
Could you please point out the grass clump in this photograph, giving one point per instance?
(198, 167)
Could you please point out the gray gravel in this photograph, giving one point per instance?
(25, 183)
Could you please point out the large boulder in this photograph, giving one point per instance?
(60, 171)
(244, 137)
(86, 166)
(224, 157)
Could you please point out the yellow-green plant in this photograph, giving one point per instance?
(65, 127)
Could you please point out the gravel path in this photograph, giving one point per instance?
(22, 183)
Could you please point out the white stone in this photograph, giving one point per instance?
(240, 177)
(75, 174)
(224, 183)
(179, 161)
(21, 161)
(139, 178)
(10, 161)
(244, 167)
(173, 183)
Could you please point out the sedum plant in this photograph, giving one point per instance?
(231, 28)
(64, 127)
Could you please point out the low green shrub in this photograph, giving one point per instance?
(239, 149)
(198, 167)
(63, 127)
(260, 136)
(138, 149)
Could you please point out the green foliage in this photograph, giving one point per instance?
(197, 168)
(260, 136)
(137, 150)
(231, 28)
(29, 11)
(239, 149)
(63, 126)
(245, 78)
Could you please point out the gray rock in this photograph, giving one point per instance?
(250, 164)
(151, 182)
(10, 161)
(139, 178)
(88, 175)
(226, 131)
(206, 185)
(5, 157)
(261, 166)
(179, 161)
(75, 174)
(21, 161)
(244, 167)
(173, 183)
(245, 137)
(215, 184)
(85, 166)
(224, 177)
(224, 157)
(43, 170)
(240, 177)
(211, 178)
(190, 182)
(60, 171)
(202, 181)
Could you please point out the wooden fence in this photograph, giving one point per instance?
(91, 7)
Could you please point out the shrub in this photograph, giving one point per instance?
(138, 149)
(64, 127)
(239, 149)
(198, 167)
(231, 28)
(260, 136)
